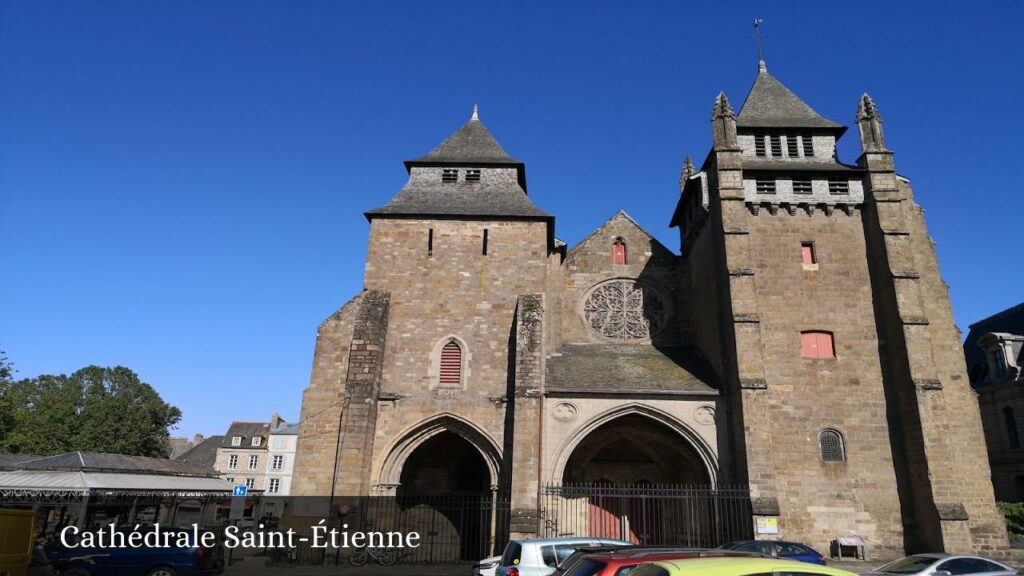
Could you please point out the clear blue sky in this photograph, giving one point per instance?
(182, 183)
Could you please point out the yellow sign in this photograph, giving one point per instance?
(767, 524)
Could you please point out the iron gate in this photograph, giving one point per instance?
(653, 514)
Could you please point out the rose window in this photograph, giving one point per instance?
(624, 310)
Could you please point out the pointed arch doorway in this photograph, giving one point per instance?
(638, 475)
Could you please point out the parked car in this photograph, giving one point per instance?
(778, 549)
(623, 563)
(110, 561)
(543, 557)
(734, 566)
(944, 565)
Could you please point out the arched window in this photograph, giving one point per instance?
(619, 251)
(451, 366)
(831, 443)
(817, 344)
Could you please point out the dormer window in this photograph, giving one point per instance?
(450, 175)
(837, 186)
(999, 362)
(472, 175)
(765, 186)
(256, 441)
(236, 440)
(619, 252)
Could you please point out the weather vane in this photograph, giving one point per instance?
(758, 36)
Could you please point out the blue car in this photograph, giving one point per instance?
(184, 561)
(778, 549)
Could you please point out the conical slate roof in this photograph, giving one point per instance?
(771, 105)
(471, 144)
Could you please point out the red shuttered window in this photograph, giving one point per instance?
(807, 253)
(451, 366)
(619, 252)
(817, 345)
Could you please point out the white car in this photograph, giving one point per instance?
(943, 565)
(542, 557)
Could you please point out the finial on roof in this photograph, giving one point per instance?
(869, 121)
(687, 172)
(760, 45)
(476, 113)
(721, 109)
(866, 108)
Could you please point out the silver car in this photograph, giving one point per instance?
(542, 557)
(943, 565)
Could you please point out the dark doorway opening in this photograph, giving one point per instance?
(634, 450)
(446, 492)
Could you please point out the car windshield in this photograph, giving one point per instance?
(908, 565)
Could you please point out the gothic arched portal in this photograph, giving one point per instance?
(635, 449)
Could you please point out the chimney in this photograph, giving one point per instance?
(197, 439)
(275, 422)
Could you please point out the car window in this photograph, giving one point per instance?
(652, 570)
(790, 549)
(992, 566)
(759, 547)
(586, 568)
(908, 565)
(966, 566)
(512, 554)
(547, 556)
(626, 570)
(563, 551)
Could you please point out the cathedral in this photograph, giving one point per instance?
(797, 348)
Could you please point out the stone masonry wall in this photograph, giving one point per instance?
(453, 291)
(818, 500)
(321, 404)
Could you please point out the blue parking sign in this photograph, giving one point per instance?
(240, 490)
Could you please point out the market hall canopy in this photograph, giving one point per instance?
(82, 474)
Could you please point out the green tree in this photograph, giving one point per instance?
(93, 410)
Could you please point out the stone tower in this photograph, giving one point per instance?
(816, 297)
(424, 350)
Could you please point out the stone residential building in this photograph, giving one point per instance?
(244, 455)
(994, 351)
(281, 459)
(798, 344)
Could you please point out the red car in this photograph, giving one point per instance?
(622, 563)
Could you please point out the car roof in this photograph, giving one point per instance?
(669, 553)
(707, 566)
(576, 540)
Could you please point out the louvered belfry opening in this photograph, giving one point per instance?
(451, 366)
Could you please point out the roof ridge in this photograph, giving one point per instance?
(997, 315)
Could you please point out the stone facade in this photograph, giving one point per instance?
(487, 357)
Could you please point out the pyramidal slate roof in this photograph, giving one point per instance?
(471, 145)
(770, 104)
